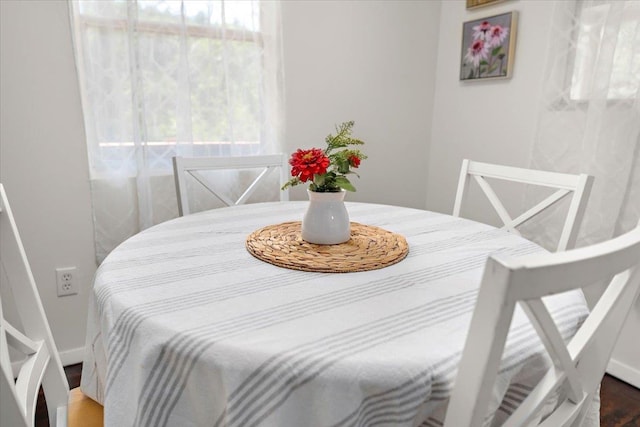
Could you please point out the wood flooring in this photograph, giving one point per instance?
(620, 405)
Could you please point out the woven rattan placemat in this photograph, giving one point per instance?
(369, 248)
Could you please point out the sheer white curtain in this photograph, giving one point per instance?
(589, 120)
(165, 78)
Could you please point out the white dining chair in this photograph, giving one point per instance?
(39, 361)
(577, 366)
(578, 187)
(193, 166)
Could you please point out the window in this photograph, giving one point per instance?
(162, 78)
(594, 41)
(166, 78)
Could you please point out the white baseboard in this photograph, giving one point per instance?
(71, 357)
(624, 372)
(67, 357)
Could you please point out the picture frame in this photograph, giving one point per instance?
(488, 47)
(475, 4)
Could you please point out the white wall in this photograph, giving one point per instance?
(625, 361)
(491, 121)
(43, 161)
(371, 62)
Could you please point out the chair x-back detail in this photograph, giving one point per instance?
(41, 363)
(578, 367)
(195, 165)
(576, 186)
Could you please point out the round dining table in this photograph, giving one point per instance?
(187, 328)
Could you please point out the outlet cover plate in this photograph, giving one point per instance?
(66, 281)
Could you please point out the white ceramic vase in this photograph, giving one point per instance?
(326, 221)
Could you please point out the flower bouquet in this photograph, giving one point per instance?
(327, 169)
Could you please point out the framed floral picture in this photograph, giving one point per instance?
(472, 4)
(488, 46)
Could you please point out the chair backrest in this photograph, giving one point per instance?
(578, 367)
(41, 364)
(576, 186)
(194, 165)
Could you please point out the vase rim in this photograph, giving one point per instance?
(327, 195)
(342, 190)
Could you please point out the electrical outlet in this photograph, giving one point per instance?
(66, 281)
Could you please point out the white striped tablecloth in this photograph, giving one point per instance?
(186, 328)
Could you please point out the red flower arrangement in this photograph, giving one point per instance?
(327, 169)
